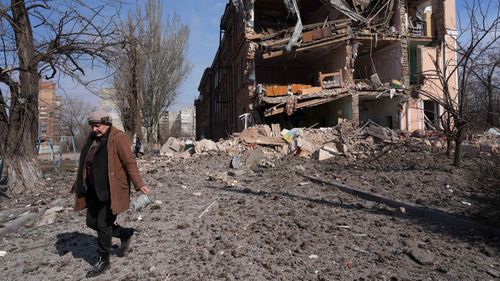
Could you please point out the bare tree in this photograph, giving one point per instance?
(476, 36)
(127, 79)
(486, 74)
(40, 38)
(149, 75)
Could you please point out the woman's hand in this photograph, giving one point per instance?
(145, 189)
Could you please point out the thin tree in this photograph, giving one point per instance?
(477, 34)
(40, 38)
(157, 65)
(127, 80)
(486, 74)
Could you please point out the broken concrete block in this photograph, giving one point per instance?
(495, 149)
(165, 149)
(304, 145)
(204, 145)
(378, 132)
(253, 157)
(185, 155)
(236, 162)
(172, 145)
(331, 147)
(369, 140)
(177, 145)
(341, 147)
(323, 154)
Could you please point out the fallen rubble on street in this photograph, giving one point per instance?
(324, 143)
(273, 204)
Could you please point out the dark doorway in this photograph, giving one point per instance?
(431, 115)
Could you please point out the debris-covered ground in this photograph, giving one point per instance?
(265, 219)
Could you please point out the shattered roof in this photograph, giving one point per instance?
(344, 8)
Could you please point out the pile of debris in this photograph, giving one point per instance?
(342, 140)
(322, 143)
(488, 142)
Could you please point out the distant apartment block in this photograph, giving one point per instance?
(179, 124)
(108, 104)
(49, 111)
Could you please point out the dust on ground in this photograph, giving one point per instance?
(269, 222)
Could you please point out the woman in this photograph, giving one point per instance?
(105, 170)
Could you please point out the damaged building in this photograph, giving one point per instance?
(303, 63)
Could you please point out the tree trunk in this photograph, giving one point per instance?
(448, 146)
(19, 150)
(489, 114)
(4, 124)
(24, 175)
(134, 101)
(457, 159)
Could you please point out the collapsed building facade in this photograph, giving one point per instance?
(303, 63)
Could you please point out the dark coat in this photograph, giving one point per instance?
(114, 169)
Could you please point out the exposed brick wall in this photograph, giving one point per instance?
(402, 12)
(349, 66)
(355, 107)
(405, 66)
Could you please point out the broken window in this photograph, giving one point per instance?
(384, 111)
(419, 19)
(377, 62)
(431, 115)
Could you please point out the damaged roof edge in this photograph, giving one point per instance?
(344, 8)
(238, 4)
(340, 5)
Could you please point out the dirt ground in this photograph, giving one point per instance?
(270, 222)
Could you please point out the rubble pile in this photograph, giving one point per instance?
(489, 142)
(320, 144)
(324, 143)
